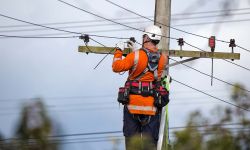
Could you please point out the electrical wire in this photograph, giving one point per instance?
(210, 76)
(166, 25)
(126, 29)
(81, 9)
(108, 20)
(128, 18)
(212, 96)
(52, 28)
(105, 55)
(71, 135)
(81, 26)
(120, 132)
(212, 22)
(153, 20)
(36, 37)
(209, 16)
(213, 11)
(65, 27)
(35, 24)
(223, 59)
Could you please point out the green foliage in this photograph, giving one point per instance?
(33, 130)
(199, 135)
(139, 143)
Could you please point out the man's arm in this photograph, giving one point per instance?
(119, 64)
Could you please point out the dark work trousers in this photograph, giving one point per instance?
(133, 127)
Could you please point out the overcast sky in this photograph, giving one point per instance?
(81, 99)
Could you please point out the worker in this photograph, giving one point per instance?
(143, 96)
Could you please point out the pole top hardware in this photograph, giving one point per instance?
(180, 42)
(211, 43)
(232, 43)
(132, 39)
(85, 38)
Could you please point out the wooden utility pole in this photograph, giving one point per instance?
(162, 19)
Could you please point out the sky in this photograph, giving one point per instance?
(81, 99)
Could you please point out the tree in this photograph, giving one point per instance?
(34, 128)
(199, 135)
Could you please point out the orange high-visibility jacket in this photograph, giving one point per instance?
(137, 103)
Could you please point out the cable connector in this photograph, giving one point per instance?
(180, 43)
(132, 39)
(85, 38)
(211, 43)
(232, 45)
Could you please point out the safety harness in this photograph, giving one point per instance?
(143, 88)
(153, 60)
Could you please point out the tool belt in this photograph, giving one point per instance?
(161, 97)
(141, 88)
(160, 94)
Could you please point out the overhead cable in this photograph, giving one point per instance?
(107, 18)
(167, 25)
(211, 96)
(223, 59)
(210, 76)
(36, 37)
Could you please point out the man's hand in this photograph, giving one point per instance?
(120, 45)
(131, 44)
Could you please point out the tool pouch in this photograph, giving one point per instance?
(123, 95)
(161, 97)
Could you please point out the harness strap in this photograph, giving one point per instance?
(142, 74)
(156, 74)
(136, 59)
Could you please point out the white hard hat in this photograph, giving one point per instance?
(153, 32)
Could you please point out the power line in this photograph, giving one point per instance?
(55, 28)
(85, 106)
(108, 24)
(102, 18)
(213, 11)
(212, 96)
(135, 22)
(212, 22)
(210, 16)
(223, 59)
(119, 132)
(37, 37)
(35, 24)
(73, 6)
(96, 96)
(70, 135)
(65, 27)
(210, 76)
(130, 18)
(164, 24)
(70, 22)
(122, 29)
(153, 20)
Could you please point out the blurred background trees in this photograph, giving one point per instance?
(227, 128)
(33, 130)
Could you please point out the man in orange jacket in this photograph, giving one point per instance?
(142, 96)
